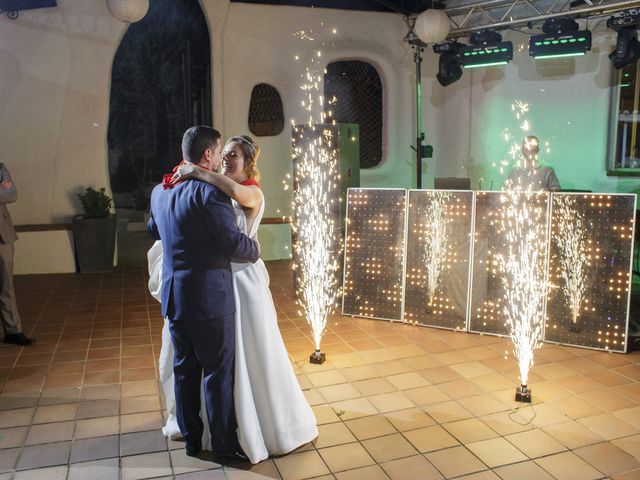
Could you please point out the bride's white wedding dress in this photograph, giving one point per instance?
(272, 413)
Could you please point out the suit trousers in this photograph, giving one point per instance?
(205, 351)
(8, 306)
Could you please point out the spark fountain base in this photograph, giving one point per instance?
(523, 394)
(317, 357)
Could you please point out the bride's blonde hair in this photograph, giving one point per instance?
(251, 152)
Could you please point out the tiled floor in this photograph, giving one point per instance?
(392, 400)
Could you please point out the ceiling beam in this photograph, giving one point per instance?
(501, 14)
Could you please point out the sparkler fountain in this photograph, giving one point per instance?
(522, 263)
(436, 244)
(316, 207)
(571, 239)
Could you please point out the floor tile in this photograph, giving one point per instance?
(146, 466)
(430, 439)
(389, 402)
(373, 386)
(139, 422)
(46, 455)
(333, 434)
(346, 457)
(496, 452)
(97, 427)
(568, 466)
(13, 437)
(523, 470)
(573, 434)
(469, 431)
(142, 442)
(55, 413)
(183, 464)
(50, 432)
(16, 418)
(411, 467)
(608, 426)
(409, 419)
(370, 427)
(51, 473)
(96, 448)
(535, 443)
(405, 381)
(98, 408)
(108, 469)
(298, 466)
(8, 459)
(455, 462)
(389, 447)
(372, 472)
(608, 458)
(350, 409)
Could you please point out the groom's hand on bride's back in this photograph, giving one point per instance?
(220, 219)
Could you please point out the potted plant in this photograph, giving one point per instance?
(94, 233)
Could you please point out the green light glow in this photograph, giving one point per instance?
(559, 55)
(622, 85)
(485, 64)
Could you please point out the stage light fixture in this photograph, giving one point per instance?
(561, 38)
(486, 50)
(449, 69)
(627, 49)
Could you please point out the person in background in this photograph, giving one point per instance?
(8, 307)
(529, 174)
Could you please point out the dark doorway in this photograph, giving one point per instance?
(160, 86)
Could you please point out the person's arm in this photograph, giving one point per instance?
(221, 221)
(152, 228)
(553, 185)
(249, 196)
(8, 191)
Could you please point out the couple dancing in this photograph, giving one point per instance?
(221, 346)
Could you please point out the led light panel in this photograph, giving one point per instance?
(374, 253)
(487, 311)
(589, 275)
(437, 264)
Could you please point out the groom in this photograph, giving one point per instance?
(197, 226)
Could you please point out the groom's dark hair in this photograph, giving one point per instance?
(196, 140)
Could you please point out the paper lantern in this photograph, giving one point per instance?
(128, 11)
(432, 26)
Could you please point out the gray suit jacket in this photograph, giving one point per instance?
(7, 195)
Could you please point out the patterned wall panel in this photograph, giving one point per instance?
(589, 277)
(437, 271)
(488, 304)
(374, 253)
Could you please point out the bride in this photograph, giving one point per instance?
(272, 413)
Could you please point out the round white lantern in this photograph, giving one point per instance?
(432, 26)
(128, 11)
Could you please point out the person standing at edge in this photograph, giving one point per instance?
(8, 307)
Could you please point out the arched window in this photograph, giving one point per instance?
(266, 117)
(353, 94)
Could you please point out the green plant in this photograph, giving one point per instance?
(96, 203)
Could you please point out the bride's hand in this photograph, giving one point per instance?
(185, 171)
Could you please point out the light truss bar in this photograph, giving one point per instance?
(477, 16)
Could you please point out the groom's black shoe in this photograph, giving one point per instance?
(234, 456)
(18, 339)
(192, 450)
